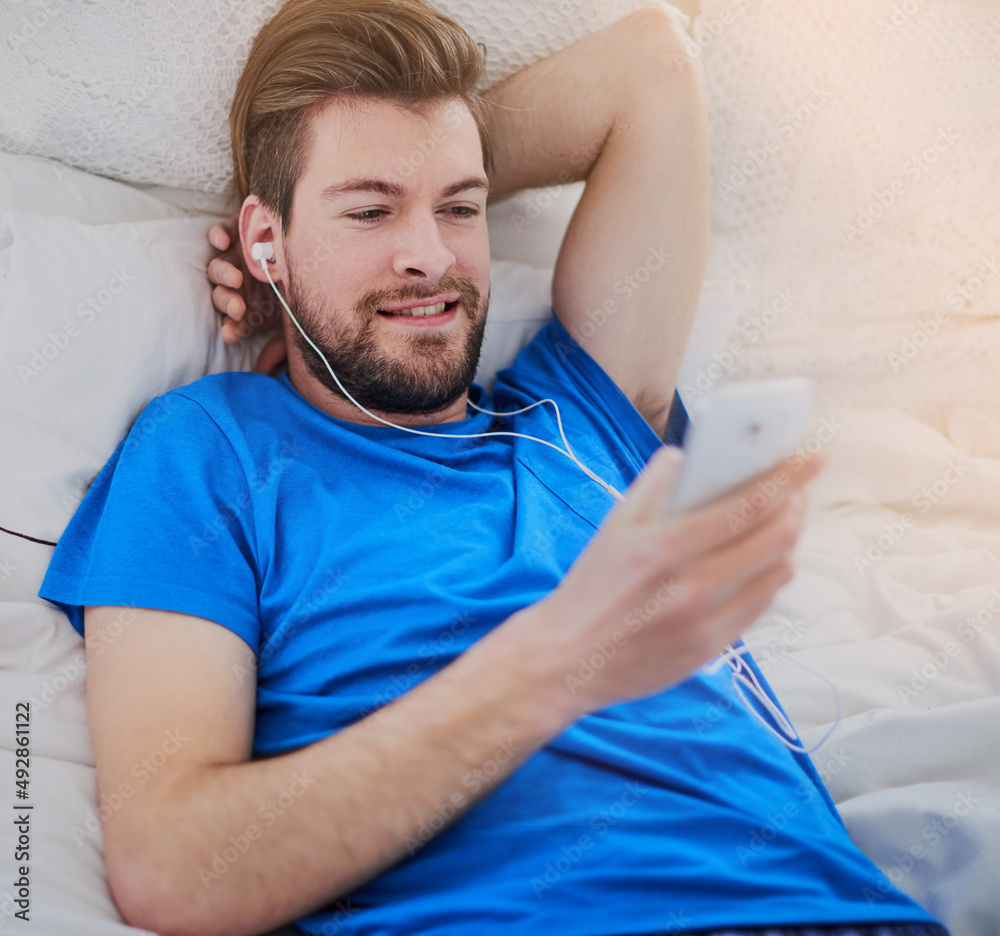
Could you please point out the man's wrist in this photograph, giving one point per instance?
(522, 661)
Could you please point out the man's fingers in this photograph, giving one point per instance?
(738, 513)
(746, 605)
(685, 538)
(793, 472)
(223, 273)
(218, 237)
(228, 302)
(723, 572)
(230, 227)
(234, 331)
(227, 276)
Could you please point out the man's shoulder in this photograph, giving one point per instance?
(229, 393)
(229, 386)
(553, 361)
(221, 402)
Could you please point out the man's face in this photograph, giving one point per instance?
(389, 211)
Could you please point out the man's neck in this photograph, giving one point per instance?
(335, 405)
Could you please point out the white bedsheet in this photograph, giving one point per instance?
(43, 656)
(897, 603)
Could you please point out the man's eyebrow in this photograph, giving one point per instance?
(394, 190)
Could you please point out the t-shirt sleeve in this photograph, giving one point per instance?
(594, 410)
(168, 524)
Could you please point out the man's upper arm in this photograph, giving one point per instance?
(165, 692)
(625, 109)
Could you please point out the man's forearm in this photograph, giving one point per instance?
(304, 828)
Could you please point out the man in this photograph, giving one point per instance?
(456, 686)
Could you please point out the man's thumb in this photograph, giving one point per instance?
(648, 495)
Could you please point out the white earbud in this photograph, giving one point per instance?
(261, 251)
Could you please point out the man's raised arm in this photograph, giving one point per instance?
(624, 109)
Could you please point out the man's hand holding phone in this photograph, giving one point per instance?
(667, 591)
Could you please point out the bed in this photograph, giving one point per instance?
(855, 240)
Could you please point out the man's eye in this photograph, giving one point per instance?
(365, 217)
(372, 215)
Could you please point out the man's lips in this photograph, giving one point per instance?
(434, 305)
(426, 317)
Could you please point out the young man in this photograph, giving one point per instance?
(456, 687)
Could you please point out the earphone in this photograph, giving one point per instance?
(263, 252)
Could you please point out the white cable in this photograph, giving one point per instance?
(743, 675)
(614, 492)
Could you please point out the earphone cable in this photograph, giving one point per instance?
(730, 654)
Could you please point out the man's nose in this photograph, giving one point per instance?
(420, 249)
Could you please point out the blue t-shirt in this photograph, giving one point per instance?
(357, 561)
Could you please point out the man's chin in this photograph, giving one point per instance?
(403, 368)
(418, 383)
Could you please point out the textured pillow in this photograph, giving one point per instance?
(138, 92)
(141, 92)
(529, 227)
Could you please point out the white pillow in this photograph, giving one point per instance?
(713, 353)
(95, 321)
(529, 227)
(520, 304)
(141, 92)
(47, 187)
(518, 33)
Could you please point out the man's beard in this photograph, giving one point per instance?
(436, 371)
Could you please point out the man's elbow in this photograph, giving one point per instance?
(662, 54)
(149, 896)
(136, 896)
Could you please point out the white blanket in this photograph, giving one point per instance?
(897, 603)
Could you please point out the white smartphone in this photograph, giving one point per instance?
(737, 432)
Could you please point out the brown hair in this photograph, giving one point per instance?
(403, 51)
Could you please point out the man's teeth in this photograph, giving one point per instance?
(435, 309)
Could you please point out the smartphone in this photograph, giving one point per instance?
(737, 432)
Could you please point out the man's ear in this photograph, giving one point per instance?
(258, 224)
